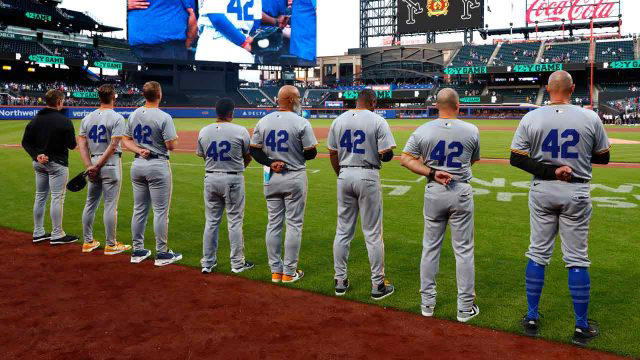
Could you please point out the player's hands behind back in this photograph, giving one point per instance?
(442, 177)
(144, 153)
(278, 166)
(564, 173)
(247, 43)
(42, 159)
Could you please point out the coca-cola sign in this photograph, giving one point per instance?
(544, 11)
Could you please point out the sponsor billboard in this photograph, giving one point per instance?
(555, 11)
(419, 16)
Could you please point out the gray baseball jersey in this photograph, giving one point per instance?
(284, 135)
(449, 145)
(359, 136)
(151, 128)
(562, 135)
(99, 127)
(223, 145)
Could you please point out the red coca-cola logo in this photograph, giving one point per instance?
(569, 10)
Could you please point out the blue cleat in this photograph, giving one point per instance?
(166, 258)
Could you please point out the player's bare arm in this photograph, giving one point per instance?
(417, 166)
(192, 28)
(335, 161)
(247, 159)
(128, 143)
(171, 144)
(111, 149)
(83, 147)
(137, 4)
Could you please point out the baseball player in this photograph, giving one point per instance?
(282, 141)
(225, 149)
(99, 144)
(151, 135)
(557, 144)
(443, 150)
(48, 139)
(224, 30)
(359, 140)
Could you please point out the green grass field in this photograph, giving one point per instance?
(502, 234)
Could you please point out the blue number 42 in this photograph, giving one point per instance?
(351, 143)
(551, 144)
(235, 7)
(439, 154)
(98, 134)
(218, 151)
(280, 144)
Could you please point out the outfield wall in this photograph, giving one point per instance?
(28, 112)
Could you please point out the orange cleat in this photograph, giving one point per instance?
(89, 247)
(276, 277)
(116, 249)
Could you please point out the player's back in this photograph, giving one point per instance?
(99, 127)
(223, 145)
(359, 136)
(449, 145)
(151, 128)
(563, 135)
(284, 136)
(242, 14)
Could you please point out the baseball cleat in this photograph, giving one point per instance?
(341, 286)
(45, 237)
(466, 315)
(67, 239)
(276, 277)
(383, 290)
(89, 247)
(427, 310)
(166, 258)
(582, 336)
(531, 327)
(138, 256)
(247, 265)
(116, 249)
(293, 278)
(209, 269)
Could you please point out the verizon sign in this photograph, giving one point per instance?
(544, 11)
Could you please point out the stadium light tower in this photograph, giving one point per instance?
(378, 19)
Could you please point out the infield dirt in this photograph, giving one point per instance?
(59, 303)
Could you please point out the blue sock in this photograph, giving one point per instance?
(534, 280)
(580, 288)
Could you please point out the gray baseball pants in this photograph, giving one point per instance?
(559, 207)
(50, 178)
(451, 204)
(286, 196)
(109, 186)
(223, 191)
(152, 186)
(359, 192)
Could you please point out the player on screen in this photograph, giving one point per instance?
(303, 29)
(224, 27)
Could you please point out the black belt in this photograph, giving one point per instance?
(153, 156)
(118, 154)
(222, 172)
(368, 167)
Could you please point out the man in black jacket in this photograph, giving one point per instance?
(47, 139)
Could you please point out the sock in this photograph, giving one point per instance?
(534, 281)
(580, 288)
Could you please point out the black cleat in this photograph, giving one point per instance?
(67, 239)
(582, 336)
(383, 290)
(247, 266)
(45, 237)
(341, 286)
(531, 327)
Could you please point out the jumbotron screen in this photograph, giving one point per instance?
(419, 16)
(269, 32)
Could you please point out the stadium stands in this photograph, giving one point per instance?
(74, 52)
(12, 46)
(517, 53)
(607, 51)
(472, 55)
(117, 54)
(566, 52)
(256, 97)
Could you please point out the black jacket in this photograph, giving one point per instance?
(50, 133)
